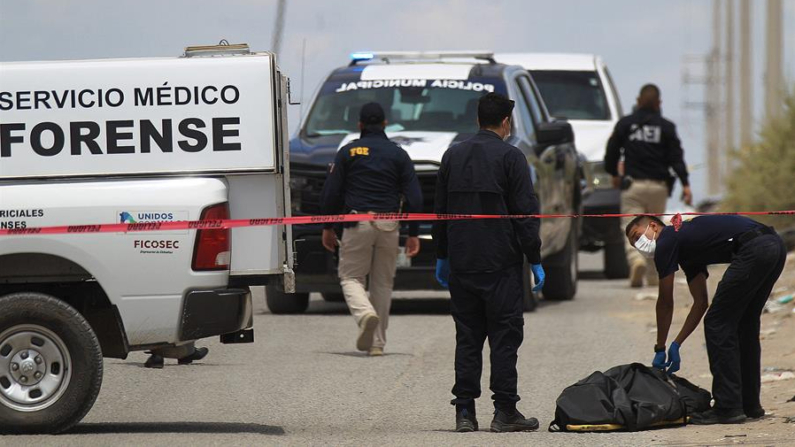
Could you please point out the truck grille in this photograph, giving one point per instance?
(428, 185)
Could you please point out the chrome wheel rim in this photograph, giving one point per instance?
(35, 368)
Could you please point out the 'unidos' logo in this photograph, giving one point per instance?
(126, 217)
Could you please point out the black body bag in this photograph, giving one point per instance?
(630, 398)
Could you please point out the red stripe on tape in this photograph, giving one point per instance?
(305, 220)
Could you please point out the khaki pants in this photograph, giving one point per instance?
(644, 196)
(367, 251)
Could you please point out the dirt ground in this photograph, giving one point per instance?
(778, 362)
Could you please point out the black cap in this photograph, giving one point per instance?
(372, 113)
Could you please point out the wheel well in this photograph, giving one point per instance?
(72, 284)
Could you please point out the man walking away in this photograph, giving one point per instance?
(756, 256)
(370, 175)
(651, 147)
(481, 261)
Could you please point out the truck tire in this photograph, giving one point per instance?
(333, 297)
(615, 260)
(281, 303)
(529, 299)
(562, 270)
(50, 364)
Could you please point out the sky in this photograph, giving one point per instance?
(640, 40)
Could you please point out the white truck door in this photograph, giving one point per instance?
(260, 252)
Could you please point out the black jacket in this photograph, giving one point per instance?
(650, 145)
(371, 174)
(485, 175)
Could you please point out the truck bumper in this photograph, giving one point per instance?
(600, 231)
(207, 313)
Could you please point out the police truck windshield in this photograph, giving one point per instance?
(574, 95)
(431, 105)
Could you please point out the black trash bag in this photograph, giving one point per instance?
(628, 397)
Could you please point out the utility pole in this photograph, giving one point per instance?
(278, 28)
(712, 107)
(728, 119)
(774, 77)
(746, 92)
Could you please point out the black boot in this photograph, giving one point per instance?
(505, 421)
(154, 361)
(754, 413)
(714, 416)
(198, 354)
(465, 420)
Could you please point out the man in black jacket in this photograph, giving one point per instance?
(370, 175)
(651, 147)
(481, 261)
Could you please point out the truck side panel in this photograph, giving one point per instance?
(146, 274)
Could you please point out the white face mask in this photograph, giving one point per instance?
(645, 245)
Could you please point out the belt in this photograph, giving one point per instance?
(649, 180)
(748, 236)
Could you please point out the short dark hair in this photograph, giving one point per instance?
(493, 108)
(650, 92)
(640, 220)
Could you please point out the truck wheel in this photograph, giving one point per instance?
(50, 364)
(529, 299)
(334, 297)
(562, 270)
(281, 303)
(615, 260)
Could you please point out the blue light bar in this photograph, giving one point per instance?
(361, 56)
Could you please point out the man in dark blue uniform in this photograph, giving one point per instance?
(370, 175)
(756, 255)
(481, 261)
(651, 148)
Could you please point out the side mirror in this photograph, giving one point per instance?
(555, 132)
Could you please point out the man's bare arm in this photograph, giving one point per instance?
(665, 309)
(698, 288)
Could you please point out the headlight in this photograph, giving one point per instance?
(600, 179)
(297, 186)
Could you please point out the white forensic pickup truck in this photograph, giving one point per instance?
(202, 136)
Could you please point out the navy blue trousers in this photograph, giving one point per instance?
(732, 322)
(487, 305)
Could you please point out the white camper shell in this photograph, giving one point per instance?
(201, 136)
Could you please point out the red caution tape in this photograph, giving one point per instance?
(305, 220)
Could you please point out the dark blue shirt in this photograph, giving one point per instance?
(485, 175)
(700, 242)
(372, 174)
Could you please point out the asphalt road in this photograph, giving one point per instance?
(303, 383)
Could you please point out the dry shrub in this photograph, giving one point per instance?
(764, 177)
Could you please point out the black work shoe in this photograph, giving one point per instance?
(465, 420)
(507, 422)
(154, 361)
(754, 413)
(713, 416)
(198, 354)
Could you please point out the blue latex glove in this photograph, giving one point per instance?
(443, 272)
(659, 360)
(674, 361)
(539, 275)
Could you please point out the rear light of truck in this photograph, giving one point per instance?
(212, 250)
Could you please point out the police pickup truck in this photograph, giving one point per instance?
(136, 141)
(430, 100)
(579, 88)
